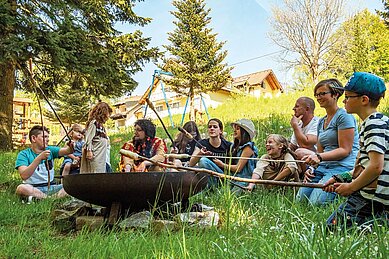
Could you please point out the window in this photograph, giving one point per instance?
(159, 108)
(175, 105)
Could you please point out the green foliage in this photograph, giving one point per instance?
(197, 56)
(385, 14)
(71, 43)
(362, 45)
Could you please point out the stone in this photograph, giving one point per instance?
(200, 219)
(89, 222)
(164, 225)
(139, 220)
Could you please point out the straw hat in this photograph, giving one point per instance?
(246, 124)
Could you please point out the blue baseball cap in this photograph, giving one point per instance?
(366, 84)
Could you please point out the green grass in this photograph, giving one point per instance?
(265, 224)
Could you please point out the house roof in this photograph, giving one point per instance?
(257, 78)
(133, 98)
(22, 100)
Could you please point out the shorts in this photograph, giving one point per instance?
(53, 189)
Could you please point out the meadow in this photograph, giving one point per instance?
(265, 224)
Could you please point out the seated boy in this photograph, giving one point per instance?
(367, 185)
(71, 163)
(33, 167)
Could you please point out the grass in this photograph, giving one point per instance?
(265, 224)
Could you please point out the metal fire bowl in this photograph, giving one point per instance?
(134, 190)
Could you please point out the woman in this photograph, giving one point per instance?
(184, 145)
(243, 147)
(215, 145)
(143, 143)
(337, 144)
(277, 148)
(95, 154)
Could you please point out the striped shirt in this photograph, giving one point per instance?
(374, 136)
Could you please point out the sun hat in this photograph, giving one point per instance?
(366, 84)
(246, 124)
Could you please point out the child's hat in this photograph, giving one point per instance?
(366, 84)
(246, 124)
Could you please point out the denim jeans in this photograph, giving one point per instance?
(54, 188)
(357, 210)
(206, 163)
(316, 196)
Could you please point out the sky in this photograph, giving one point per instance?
(242, 24)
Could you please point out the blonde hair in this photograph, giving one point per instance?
(279, 139)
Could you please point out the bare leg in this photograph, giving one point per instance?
(25, 190)
(66, 170)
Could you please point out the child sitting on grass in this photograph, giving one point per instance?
(367, 185)
(71, 163)
(284, 170)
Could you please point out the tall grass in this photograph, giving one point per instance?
(265, 224)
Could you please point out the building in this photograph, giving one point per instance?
(167, 103)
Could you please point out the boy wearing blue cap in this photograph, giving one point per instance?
(367, 185)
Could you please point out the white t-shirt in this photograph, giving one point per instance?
(309, 129)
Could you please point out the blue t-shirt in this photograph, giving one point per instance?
(328, 138)
(27, 156)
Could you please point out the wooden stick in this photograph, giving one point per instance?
(180, 156)
(151, 105)
(223, 176)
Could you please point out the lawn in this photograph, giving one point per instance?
(264, 224)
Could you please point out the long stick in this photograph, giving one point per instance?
(180, 156)
(188, 135)
(151, 105)
(223, 176)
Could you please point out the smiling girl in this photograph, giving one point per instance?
(284, 170)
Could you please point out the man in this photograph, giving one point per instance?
(33, 164)
(304, 125)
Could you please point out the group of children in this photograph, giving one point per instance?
(367, 185)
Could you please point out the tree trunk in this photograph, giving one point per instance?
(192, 115)
(7, 85)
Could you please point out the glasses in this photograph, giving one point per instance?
(351, 96)
(213, 126)
(321, 94)
(138, 129)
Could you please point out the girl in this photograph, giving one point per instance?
(185, 145)
(215, 145)
(145, 144)
(277, 149)
(95, 150)
(337, 144)
(244, 132)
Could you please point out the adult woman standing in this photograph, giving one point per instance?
(243, 147)
(144, 143)
(337, 144)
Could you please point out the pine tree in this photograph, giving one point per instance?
(385, 14)
(68, 41)
(197, 56)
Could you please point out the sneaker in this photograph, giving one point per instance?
(29, 199)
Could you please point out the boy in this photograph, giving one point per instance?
(368, 192)
(31, 164)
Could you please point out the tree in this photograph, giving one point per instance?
(302, 28)
(196, 62)
(363, 45)
(70, 105)
(68, 41)
(385, 14)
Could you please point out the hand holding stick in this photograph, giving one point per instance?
(223, 176)
(189, 136)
